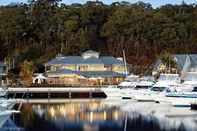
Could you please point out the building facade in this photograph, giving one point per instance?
(88, 69)
(3, 74)
(185, 64)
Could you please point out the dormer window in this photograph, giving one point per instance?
(89, 54)
(60, 56)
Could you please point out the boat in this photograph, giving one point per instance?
(166, 83)
(132, 78)
(112, 92)
(180, 98)
(185, 94)
(4, 116)
(3, 92)
(129, 89)
(130, 81)
(7, 103)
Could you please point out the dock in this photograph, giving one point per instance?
(53, 89)
(55, 92)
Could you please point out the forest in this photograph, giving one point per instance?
(40, 29)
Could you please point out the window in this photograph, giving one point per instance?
(108, 67)
(83, 67)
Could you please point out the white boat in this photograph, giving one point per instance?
(166, 83)
(185, 93)
(130, 81)
(180, 98)
(144, 84)
(7, 104)
(4, 115)
(141, 87)
(132, 78)
(112, 92)
(3, 92)
(135, 87)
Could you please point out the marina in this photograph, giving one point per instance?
(98, 65)
(167, 103)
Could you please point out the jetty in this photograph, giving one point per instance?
(55, 92)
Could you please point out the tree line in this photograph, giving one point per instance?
(38, 30)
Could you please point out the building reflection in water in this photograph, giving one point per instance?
(79, 111)
(87, 114)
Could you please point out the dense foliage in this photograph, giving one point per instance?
(37, 31)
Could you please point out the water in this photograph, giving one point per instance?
(93, 115)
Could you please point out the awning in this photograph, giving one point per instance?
(100, 74)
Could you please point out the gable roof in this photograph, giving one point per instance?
(110, 60)
(96, 74)
(107, 60)
(183, 61)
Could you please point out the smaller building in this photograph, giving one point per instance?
(88, 69)
(3, 74)
(184, 63)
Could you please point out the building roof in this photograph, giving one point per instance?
(96, 74)
(62, 71)
(110, 60)
(107, 60)
(88, 74)
(184, 62)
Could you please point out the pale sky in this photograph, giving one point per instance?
(155, 3)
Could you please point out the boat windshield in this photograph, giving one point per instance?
(142, 87)
(132, 79)
(190, 77)
(194, 89)
(168, 77)
(159, 89)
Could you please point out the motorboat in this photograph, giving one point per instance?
(166, 83)
(182, 97)
(3, 92)
(185, 93)
(144, 84)
(139, 85)
(7, 104)
(4, 116)
(130, 81)
(151, 94)
(127, 84)
(132, 78)
(112, 92)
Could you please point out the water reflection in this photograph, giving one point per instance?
(93, 111)
(91, 115)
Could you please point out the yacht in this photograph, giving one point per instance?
(112, 92)
(166, 83)
(140, 86)
(4, 116)
(3, 92)
(130, 81)
(182, 97)
(145, 83)
(7, 103)
(185, 94)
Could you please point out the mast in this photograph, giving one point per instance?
(125, 64)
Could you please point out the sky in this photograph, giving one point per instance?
(155, 3)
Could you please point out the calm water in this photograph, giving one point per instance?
(90, 115)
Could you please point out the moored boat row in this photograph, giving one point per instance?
(6, 107)
(168, 89)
